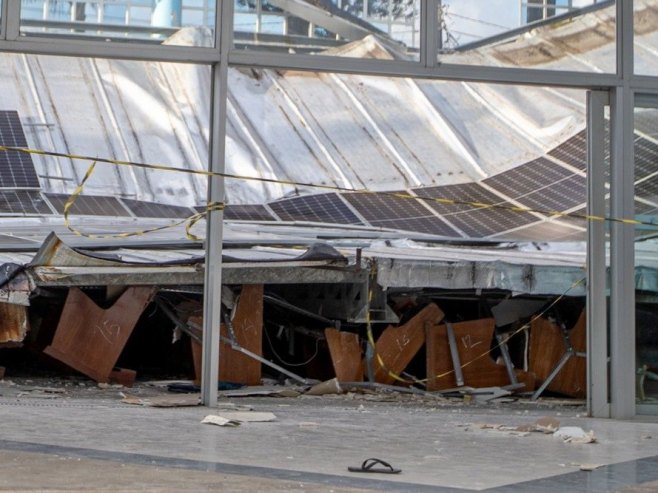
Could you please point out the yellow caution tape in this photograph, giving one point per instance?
(423, 381)
(218, 206)
(400, 195)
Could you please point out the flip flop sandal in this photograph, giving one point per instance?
(369, 466)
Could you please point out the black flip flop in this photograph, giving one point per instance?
(369, 466)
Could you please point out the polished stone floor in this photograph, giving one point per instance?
(90, 439)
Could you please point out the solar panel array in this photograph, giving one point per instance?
(154, 209)
(254, 212)
(321, 208)
(646, 122)
(542, 184)
(549, 184)
(389, 211)
(88, 205)
(646, 158)
(473, 221)
(23, 202)
(551, 230)
(573, 151)
(16, 168)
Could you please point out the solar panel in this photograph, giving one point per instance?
(23, 202)
(648, 209)
(558, 196)
(542, 184)
(475, 222)
(572, 151)
(646, 157)
(646, 121)
(528, 177)
(247, 212)
(545, 231)
(321, 208)
(581, 222)
(88, 205)
(16, 168)
(388, 211)
(154, 209)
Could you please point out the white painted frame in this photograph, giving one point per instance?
(621, 87)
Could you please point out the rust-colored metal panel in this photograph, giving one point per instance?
(547, 348)
(123, 376)
(479, 369)
(346, 357)
(397, 346)
(90, 338)
(13, 322)
(248, 329)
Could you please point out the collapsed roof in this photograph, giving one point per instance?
(491, 144)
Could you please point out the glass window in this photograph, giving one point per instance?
(574, 35)
(645, 27)
(353, 28)
(132, 111)
(646, 252)
(173, 22)
(503, 145)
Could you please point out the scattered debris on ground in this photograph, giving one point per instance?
(236, 418)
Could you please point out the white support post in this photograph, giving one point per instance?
(212, 299)
(597, 319)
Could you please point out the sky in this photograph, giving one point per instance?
(469, 20)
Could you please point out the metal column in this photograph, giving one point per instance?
(622, 248)
(212, 299)
(597, 318)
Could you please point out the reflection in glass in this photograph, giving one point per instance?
(646, 253)
(326, 27)
(575, 35)
(645, 27)
(153, 21)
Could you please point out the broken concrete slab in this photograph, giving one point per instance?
(219, 421)
(249, 416)
(575, 434)
(235, 418)
(264, 392)
(328, 387)
(163, 400)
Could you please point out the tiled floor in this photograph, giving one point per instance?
(440, 446)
